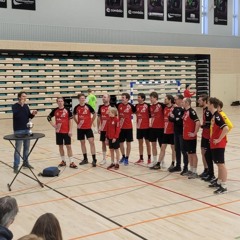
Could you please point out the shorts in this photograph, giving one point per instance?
(63, 139)
(126, 135)
(168, 139)
(218, 155)
(115, 145)
(102, 136)
(156, 134)
(190, 146)
(205, 143)
(143, 133)
(81, 133)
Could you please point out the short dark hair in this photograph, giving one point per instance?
(154, 95)
(142, 95)
(170, 97)
(220, 104)
(204, 97)
(21, 93)
(81, 95)
(188, 100)
(180, 96)
(187, 85)
(126, 95)
(214, 101)
(89, 90)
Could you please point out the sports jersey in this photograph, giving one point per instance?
(168, 126)
(113, 128)
(189, 123)
(188, 94)
(62, 117)
(83, 115)
(177, 119)
(206, 123)
(226, 120)
(103, 114)
(157, 119)
(142, 114)
(92, 100)
(125, 115)
(217, 124)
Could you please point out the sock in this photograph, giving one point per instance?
(123, 155)
(194, 170)
(104, 155)
(94, 157)
(85, 156)
(173, 163)
(206, 170)
(191, 168)
(219, 181)
(70, 159)
(63, 158)
(224, 184)
(149, 156)
(141, 157)
(154, 158)
(126, 157)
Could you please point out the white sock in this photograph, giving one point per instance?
(191, 168)
(224, 184)
(104, 155)
(154, 158)
(194, 170)
(219, 181)
(70, 159)
(63, 158)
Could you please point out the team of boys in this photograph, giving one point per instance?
(172, 123)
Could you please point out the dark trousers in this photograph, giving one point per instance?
(209, 160)
(178, 142)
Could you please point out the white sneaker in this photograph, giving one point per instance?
(152, 163)
(103, 162)
(163, 165)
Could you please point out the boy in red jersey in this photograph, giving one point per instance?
(218, 141)
(102, 124)
(112, 134)
(142, 114)
(82, 116)
(168, 136)
(125, 110)
(191, 125)
(208, 173)
(63, 127)
(187, 93)
(156, 126)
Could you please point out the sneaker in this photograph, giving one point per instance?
(94, 163)
(139, 161)
(103, 162)
(220, 190)
(175, 169)
(27, 165)
(214, 180)
(193, 176)
(156, 166)
(62, 164)
(122, 160)
(116, 167)
(15, 169)
(153, 163)
(125, 162)
(149, 161)
(171, 167)
(184, 172)
(111, 166)
(84, 161)
(203, 174)
(214, 185)
(208, 178)
(73, 165)
(163, 165)
(188, 173)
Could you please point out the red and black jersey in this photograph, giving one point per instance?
(157, 118)
(103, 115)
(207, 116)
(217, 124)
(62, 117)
(83, 115)
(113, 128)
(168, 126)
(125, 112)
(142, 114)
(189, 123)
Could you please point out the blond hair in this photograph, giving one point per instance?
(113, 110)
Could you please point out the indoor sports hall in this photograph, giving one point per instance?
(57, 48)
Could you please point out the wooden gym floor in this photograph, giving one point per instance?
(131, 203)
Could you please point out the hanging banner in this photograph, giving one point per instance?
(156, 9)
(135, 9)
(220, 12)
(192, 11)
(174, 10)
(24, 4)
(3, 3)
(114, 8)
